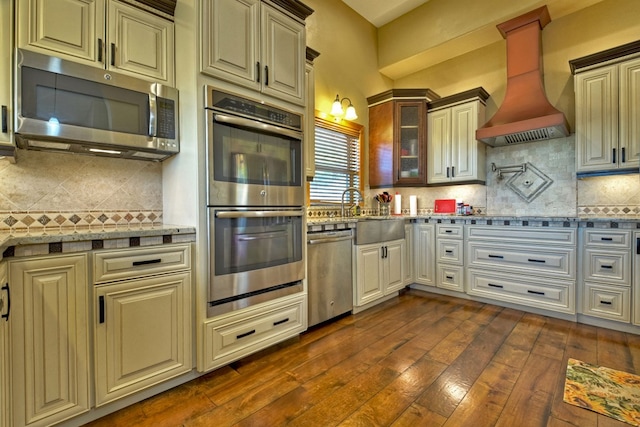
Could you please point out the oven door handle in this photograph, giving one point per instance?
(253, 124)
(256, 214)
(260, 236)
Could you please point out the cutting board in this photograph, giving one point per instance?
(445, 206)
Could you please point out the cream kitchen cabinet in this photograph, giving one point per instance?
(5, 371)
(450, 257)
(310, 117)
(454, 155)
(636, 278)
(257, 45)
(49, 339)
(424, 254)
(408, 257)
(237, 334)
(143, 318)
(606, 274)
(379, 270)
(532, 266)
(6, 67)
(607, 87)
(108, 34)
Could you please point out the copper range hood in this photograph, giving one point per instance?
(526, 114)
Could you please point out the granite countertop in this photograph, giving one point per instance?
(93, 239)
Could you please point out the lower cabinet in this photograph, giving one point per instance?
(379, 270)
(408, 257)
(49, 339)
(534, 267)
(5, 372)
(606, 274)
(238, 334)
(450, 257)
(142, 334)
(636, 278)
(143, 321)
(424, 254)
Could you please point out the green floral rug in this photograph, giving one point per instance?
(606, 391)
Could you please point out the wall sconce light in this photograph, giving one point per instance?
(336, 109)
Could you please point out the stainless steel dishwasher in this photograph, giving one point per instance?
(329, 274)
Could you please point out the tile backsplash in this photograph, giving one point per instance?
(50, 191)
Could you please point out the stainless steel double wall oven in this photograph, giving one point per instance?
(255, 201)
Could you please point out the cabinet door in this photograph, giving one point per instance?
(596, 119)
(140, 43)
(283, 45)
(70, 29)
(381, 145)
(5, 368)
(142, 334)
(310, 125)
(636, 278)
(439, 148)
(49, 339)
(409, 147)
(6, 47)
(394, 266)
(369, 284)
(424, 255)
(630, 113)
(408, 255)
(230, 47)
(465, 149)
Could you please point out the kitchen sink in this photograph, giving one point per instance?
(372, 230)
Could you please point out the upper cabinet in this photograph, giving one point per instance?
(454, 154)
(6, 43)
(310, 117)
(103, 33)
(607, 88)
(256, 44)
(397, 137)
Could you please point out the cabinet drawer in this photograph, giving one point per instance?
(555, 261)
(556, 295)
(608, 302)
(607, 266)
(129, 263)
(241, 334)
(546, 235)
(451, 277)
(450, 231)
(450, 251)
(608, 238)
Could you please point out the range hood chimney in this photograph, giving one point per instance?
(525, 114)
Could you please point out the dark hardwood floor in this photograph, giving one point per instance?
(417, 360)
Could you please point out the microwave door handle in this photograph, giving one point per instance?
(153, 114)
(241, 121)
(256, 214)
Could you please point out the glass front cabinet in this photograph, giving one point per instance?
(398, 137)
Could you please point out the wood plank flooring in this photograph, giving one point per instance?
(416, 360)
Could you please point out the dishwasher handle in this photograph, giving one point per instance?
(328, 240)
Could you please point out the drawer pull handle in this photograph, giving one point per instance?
(449, 251)
(496, 256)
(535, 292)
(101, 309)
(5, 121)
(541, 261)
(246, 334)
(606, 239)
(450, 277)
(495, 286)
(448, 231)
(608, 267)
(606, 302)
(6, 316)
(280, 322)
(148, 261)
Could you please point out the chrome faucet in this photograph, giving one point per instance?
(354, 189)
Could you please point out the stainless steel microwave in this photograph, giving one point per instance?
(66, 106)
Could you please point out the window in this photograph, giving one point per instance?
(337, 158)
